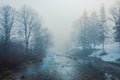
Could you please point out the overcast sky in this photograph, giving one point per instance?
(59, 15)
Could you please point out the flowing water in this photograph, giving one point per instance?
(57, 64)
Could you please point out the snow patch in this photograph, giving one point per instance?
(112, 50)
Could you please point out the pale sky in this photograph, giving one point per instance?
(59, 15)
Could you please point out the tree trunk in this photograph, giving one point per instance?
(103, 47)
(6, 45)
(94, 45)
(26, 48)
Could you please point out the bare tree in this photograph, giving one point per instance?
(115, 13)
(7, 20)
(41, 39)
(28, 19)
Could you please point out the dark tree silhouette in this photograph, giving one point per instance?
(7, 20)
(115, 12)
(28, 19)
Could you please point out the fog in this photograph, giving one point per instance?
(59, 15)
(59, 39)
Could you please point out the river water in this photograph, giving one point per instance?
(57, 64)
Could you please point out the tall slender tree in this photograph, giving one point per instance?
(28, 20)
(84, 31)
(102, 29)
(7, 20)
(94, 29)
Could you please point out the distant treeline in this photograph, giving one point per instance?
(92, 30)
